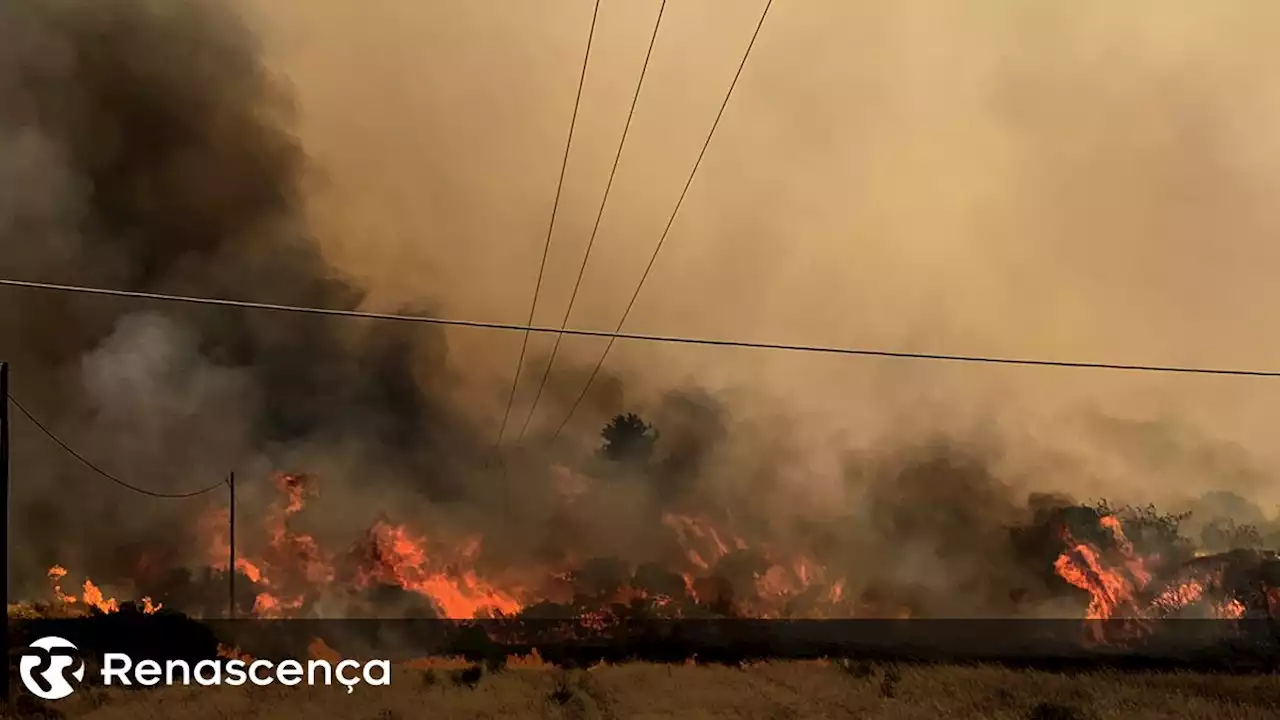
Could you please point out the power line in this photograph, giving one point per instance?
(643, 337)
(671, 221)
(84, 461)
(582, 269)
(546, 246)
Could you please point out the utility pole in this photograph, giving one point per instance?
(231, 535)
(4, 480)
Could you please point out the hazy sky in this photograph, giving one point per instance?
(1086, 182)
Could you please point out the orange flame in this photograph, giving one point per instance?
(1115, 590)
(701, 541)
(290, 559)
(401, 559)
(93, 596)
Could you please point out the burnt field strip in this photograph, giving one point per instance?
(1217, 646)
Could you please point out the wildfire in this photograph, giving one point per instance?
(399, 558)
(1110, 590)
(1121, 584)
(1179, 595)
(291, 560)
(782, 578)
(702, 542)
(713, 570)
(293, 569)
(92, 596)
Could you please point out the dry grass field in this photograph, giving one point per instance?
(531, 688)
(771, 690)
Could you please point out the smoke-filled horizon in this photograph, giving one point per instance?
(1081, 184)
(1036, 182)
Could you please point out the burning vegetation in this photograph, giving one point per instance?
(156, 155)
(1107, 563)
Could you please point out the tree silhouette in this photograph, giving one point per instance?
(628, 439)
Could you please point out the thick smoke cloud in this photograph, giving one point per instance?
(999, 181)
(1081, 183)
(146, 147)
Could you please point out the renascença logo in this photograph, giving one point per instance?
(44, 667)
(45, 663)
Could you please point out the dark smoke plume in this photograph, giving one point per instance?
(143, 146)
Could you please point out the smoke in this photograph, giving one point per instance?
(1030, 182)
(148, 148)
(1020, 181)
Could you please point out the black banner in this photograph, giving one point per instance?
(1232, 645)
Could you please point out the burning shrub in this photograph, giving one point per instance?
(1155, 535)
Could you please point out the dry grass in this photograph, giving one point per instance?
(768, 690)
(45, 611)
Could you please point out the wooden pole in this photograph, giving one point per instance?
(4, 480)
(231, 535)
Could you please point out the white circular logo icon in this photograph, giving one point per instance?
(44, 668)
